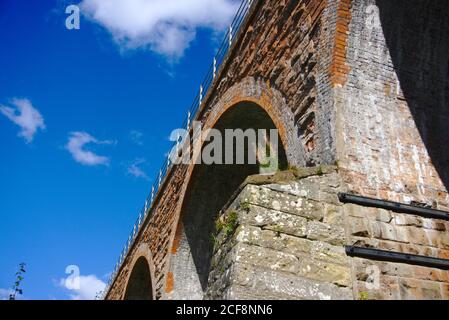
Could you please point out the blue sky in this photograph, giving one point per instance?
(84, 126)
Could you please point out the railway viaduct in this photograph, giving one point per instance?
(359, 93)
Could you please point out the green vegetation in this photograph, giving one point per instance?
(363, 295)
(219, 224)
(278, 230)
(245, 205)
(231, 223)
(214, 241)
(17, 284)
(227, 224)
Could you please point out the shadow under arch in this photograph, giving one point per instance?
(139, 286)
(209, 189)
(417, 37)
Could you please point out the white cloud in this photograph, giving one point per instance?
(87, 288)
(135, 170)
(76, 146)
(4, 293)
(163, 26)
(25, 116)
(136, 137)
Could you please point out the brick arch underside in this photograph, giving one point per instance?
(140, 282)
(208, 190)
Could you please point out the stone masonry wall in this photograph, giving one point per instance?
(392, 114)
(288, 243)
(288, 237)
(393, 108)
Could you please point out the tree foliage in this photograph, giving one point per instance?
(17, 289)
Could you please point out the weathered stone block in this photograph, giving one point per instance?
(325, 272)
(333, 214)
(445, 291)
(274, 240)
(330, 253)
(274, 220)
(359, 227)
(268, 258)
(431, 274)
(412, 289)
(364, 268)
(324, 232)
(287, 203)
(388, 290)
(382, 230)
(268, 282)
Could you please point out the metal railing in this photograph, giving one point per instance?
(146, 211)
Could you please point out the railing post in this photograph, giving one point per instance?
(160, 178)
(230, 36)
(215, 67)
(201, 95)
(152, 194)
(188, 120)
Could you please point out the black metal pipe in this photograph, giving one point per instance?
(392, 256)
(394, 206)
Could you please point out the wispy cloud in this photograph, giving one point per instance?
(5, 293)
(165, 27)
(136, 137)
(76, 146)
(25, 116)
(135, 170)
(87, 288)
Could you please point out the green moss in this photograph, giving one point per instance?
(363, 295)
(231, 223)
(219, 224)
(265, 165)
(245, 205)
(319, 170)
(226, 224)
(278, 230)
(213, 264)
(215, 241)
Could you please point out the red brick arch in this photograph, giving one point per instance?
(142, 252)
